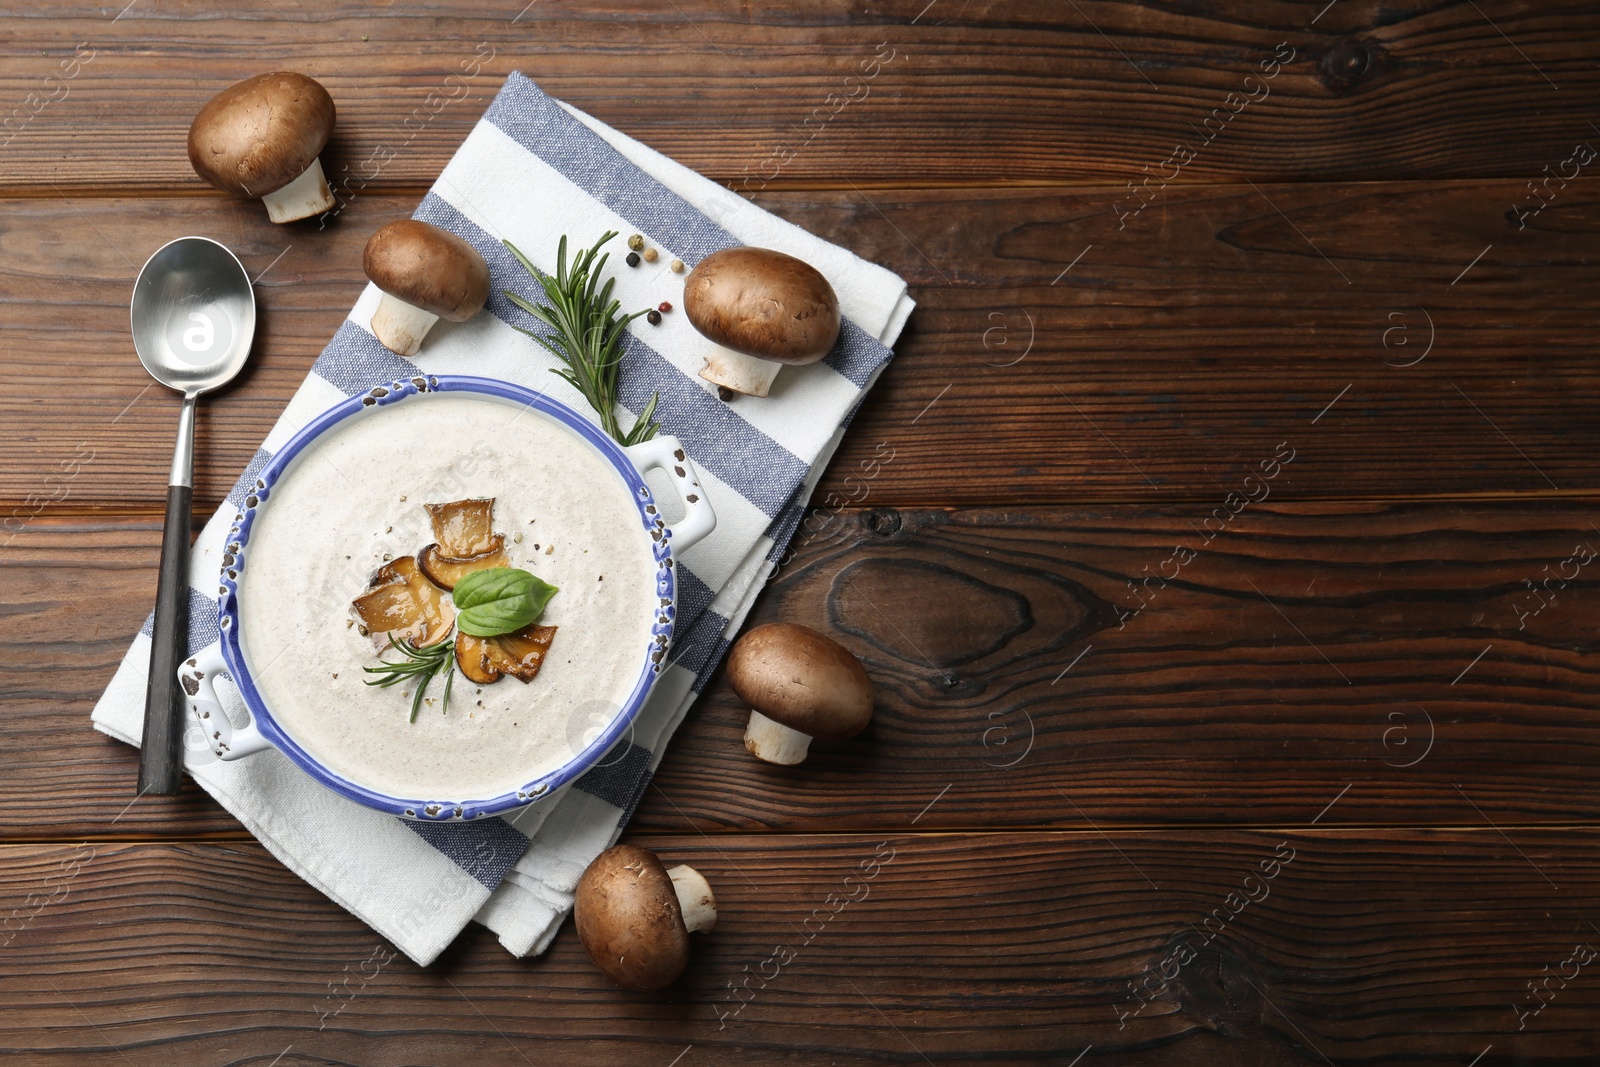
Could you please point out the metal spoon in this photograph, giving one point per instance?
(194, 316)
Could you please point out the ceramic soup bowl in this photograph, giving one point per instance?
(574, 507)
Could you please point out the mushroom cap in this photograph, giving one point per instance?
(763, 303)
(629, 919)
(805, 680)
(258, 135)
(429, 268)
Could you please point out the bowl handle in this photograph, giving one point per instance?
(666, 453)
(196, 676)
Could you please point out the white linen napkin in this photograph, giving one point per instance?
(532, 170)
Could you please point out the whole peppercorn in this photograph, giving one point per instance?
(633, 259)
(724, 394)
(677, 266)
(664, 306)
(636, 242)
(651, 255)
(653, 317)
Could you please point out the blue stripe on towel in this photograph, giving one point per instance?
(247, 481)
(857, 355)
(713, 660)
(619, 780)
(694, 597)
(751, 463)
(692, 648)
(203, 629)
(486, 850)
(355, 361)
(539, 124)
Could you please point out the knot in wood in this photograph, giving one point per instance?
(1346, 63)
(882, 521)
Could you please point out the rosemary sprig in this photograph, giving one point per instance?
(421, 665)
(588, 333)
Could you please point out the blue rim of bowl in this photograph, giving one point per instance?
(236, 555)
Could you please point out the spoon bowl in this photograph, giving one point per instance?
(193, 316)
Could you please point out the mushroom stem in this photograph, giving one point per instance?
(739, 372)
(400, 326)
(695, 899)
(307, 195)
(775, 742)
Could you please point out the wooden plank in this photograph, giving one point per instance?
(1113, 665)
(1014, 91)
(1168, 362)
(1384, 654)
(1381, 948)
(1092, 357)
(76, 595)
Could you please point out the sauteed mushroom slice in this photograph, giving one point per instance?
(521, 653)
(401, 603)
(464, 528)
(445, 571)
(441, 616)
(389, 610)
(472, 656)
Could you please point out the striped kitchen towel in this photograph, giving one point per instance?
(532, 170)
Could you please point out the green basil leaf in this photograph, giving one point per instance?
(490, 585)
(499, 600)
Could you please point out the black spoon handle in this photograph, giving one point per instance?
(161, 757)
(161, 751)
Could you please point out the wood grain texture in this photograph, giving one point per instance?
(1093, 755)
(1169, 361)
(1380, 948)
(1304, 651)
(976, 90)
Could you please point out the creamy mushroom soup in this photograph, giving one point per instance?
(353, 500)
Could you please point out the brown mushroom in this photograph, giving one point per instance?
(262, 138)
(472, 656)
(634, 916)
(464, 528)
(426, 274)
(445, 571)
(765, 309)
(401, 603)
(799, 684)
(520, 653)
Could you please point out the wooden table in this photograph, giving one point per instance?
(1219, 540)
